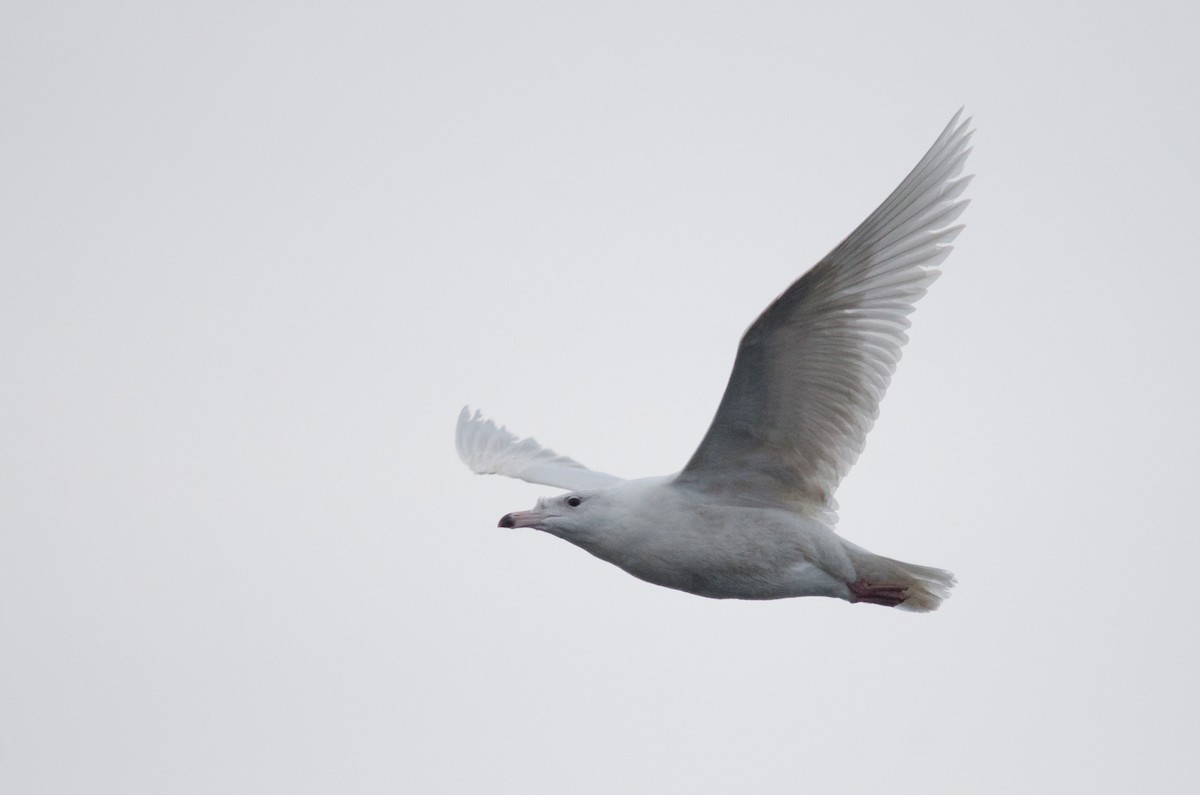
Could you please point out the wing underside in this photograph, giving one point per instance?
(811, 370)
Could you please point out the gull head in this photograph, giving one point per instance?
(568, 516)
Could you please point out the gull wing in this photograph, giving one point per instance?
(811, 370)
(492, 450)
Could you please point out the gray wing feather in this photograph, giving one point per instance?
(811, 370)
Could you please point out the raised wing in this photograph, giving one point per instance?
(491, 450)
(811, 370)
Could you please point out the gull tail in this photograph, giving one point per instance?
(894, 583)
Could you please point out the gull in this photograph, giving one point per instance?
(752, 514)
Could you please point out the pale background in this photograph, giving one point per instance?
(255, 257)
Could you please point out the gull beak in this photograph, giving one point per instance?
(520, 519)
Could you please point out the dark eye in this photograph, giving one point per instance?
(573, 501)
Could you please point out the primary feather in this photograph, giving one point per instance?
(489, 449)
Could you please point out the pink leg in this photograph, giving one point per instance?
(886, 595)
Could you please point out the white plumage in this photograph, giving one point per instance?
(751, 516)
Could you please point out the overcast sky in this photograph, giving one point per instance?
(255, 257)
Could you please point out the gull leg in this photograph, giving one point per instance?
(886, 595)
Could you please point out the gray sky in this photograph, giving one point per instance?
(254, 258)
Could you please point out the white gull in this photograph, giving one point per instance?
(751, 516)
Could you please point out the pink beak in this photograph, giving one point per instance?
(520, 519)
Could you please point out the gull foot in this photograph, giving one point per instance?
(886, 595)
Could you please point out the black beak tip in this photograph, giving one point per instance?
(506, 520)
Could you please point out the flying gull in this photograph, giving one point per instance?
(752, 515)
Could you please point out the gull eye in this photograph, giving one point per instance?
(573, 501)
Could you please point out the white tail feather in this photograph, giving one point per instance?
(927, 587)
